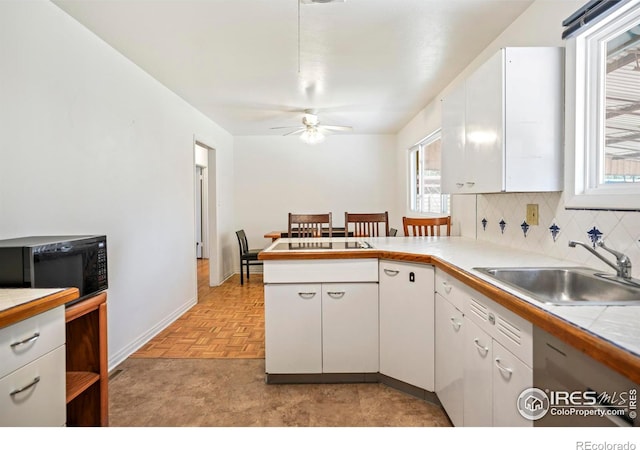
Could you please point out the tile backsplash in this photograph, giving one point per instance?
(501, 219)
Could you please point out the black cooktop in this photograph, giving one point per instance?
(322, 245)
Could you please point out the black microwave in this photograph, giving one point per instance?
(55, 262)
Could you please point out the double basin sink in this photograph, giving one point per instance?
(568, 285)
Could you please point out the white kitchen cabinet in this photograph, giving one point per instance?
(350, 328)
(32, 374)
(453, 141)
(293, 328)
(493, 380)
(510, 377)
(407, 323)
(513, 125)
(321, 327)
(449, 362)
(478, 395)
(498, 358)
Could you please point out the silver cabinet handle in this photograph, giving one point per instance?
(456, 325)
(506, 372)
(481, 349)
(391, 272)
(15, 392)
(307, 295)
(35, 336)
(335, 294)
(459, 184)
(447, 287)
(470, 183)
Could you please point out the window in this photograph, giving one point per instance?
(604, 140)
(424, 177)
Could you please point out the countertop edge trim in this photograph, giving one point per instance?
(37, 306)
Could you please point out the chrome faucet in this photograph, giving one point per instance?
(623, 263)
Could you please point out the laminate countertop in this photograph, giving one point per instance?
(609, 334)
(21, 303)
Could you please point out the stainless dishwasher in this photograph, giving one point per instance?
(581, 391)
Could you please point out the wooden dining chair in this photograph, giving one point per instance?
(423, 226)
(370, 224)
(309, 225)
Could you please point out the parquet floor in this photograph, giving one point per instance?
(227, 322)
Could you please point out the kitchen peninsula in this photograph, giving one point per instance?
(304, 278)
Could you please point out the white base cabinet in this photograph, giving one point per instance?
(406, 323)
(350, 328)
(33, 373)
(293, 328)
(484, 357)
(449, 362)
(478, 396)
(321, 327)
(498, 360)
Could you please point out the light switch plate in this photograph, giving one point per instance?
(532, 214)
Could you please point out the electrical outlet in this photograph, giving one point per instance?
(532, 214)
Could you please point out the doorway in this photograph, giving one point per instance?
(201, 219)
(206, 243)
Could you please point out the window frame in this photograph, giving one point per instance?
(445, 204)
(586, 55)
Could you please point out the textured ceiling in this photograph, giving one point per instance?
(369, 64)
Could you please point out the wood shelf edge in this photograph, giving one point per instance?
(84, 307)
(78, 382)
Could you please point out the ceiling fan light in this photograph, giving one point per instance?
(312, 136)
(310, 119)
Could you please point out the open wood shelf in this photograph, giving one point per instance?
(87, 373)
(78, 382)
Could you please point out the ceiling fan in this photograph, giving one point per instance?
(311, 131)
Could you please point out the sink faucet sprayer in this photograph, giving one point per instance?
(623, 263)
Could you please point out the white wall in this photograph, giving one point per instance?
(539, 25)
(276, 175)
(89, 143)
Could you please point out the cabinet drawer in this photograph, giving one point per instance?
(506, 327)
(321, 271)
(31, 338)
(43, 404)
(451, 289)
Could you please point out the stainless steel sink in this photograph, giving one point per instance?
(568, 285)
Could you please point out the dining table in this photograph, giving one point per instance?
(335, 232)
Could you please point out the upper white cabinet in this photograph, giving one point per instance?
(502, 127)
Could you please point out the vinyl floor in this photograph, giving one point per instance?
(207, 370)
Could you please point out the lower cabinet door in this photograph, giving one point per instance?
(35, 395)
(449, 359)
(510, 377)
(350, 328)
(477, 376)
(406, 323)
(293, 328)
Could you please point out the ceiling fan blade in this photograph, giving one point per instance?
(286, 128)
(300, 130)
(336, 127)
